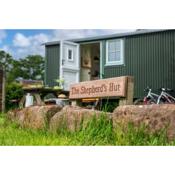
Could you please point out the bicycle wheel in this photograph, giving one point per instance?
(171, 101)
(150, 102)
(166, 101)
(163, 101)
(139, 102)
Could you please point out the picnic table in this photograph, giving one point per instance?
(37, 92)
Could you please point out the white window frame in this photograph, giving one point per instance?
(121, 62)
(72, 58)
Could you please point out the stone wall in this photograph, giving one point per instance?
(73, 117)
(36, 117)
(154, 117)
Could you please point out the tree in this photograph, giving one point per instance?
(31, 67)
(15, 72)
(5, 62)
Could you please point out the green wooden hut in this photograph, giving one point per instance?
(148, 55)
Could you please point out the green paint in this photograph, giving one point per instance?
(52, 65)
(149, 57)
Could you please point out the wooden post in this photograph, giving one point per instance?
(128, 100)
(21, 103)
(76, 103)
(3, 89)
(38, 99)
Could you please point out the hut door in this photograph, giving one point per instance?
(69, 63)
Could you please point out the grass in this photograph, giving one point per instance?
(13, 134)
(139, 137)
(97, 132)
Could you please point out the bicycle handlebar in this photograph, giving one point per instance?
(147, 89)
(161, 89)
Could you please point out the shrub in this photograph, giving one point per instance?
(108, 105)
(14, 93)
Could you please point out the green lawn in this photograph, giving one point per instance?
(97, 132)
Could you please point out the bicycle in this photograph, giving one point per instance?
(165, 97)
(150, 98)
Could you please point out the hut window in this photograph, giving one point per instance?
(114, 52)
(70, 54)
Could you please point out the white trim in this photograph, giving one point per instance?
(78, 62)
(67, 54)
(71, 43)
(61, 59)
(101, 60)
(89, 42)
(70, 68)
(121, 62)
(76, 68)
(101, 53)
(77, 50)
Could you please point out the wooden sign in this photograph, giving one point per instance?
(111, 87)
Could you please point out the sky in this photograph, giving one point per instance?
(20, 43)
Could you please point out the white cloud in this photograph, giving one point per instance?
(29, 45)
(80, 33)
(40, 38)
(7, 49)
(21, 41)
(65, 34)
(3, 35)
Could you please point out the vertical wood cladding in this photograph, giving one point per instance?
(150, 58)
(52, 66)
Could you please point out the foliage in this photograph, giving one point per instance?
(138, 136)
(13, 134)
(5, 60)
(14, 91)
(97, 132)
(109, 105)
(31, 67)
(59, 84)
